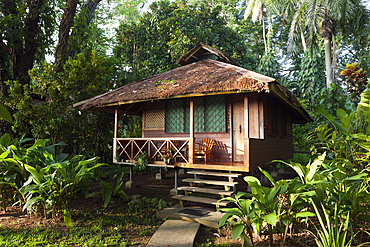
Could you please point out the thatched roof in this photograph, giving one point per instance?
(200, 51)
(205, 77)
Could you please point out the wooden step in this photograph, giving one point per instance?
(210, 173)
(214, 182)
(200, 200)
(206, 190)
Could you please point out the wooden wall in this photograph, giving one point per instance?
(278, 146)
(221, 150)
(269, 141)
(271, 148)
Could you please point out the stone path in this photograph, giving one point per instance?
(176, 233)
(182, 226)
(202, 215)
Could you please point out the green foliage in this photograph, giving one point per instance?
(167, 157)
(328, 99)
(154, 43)
(41, 181)
(345, 143)
(44, 110)
(344, 193)
(4, 114)
(311, 79)
(269, 66)
(111, 190)
(264, 208)
(163, 82)
(142, 160)
(94, 227)
(26, 36)
(337, 179)
(333, 236)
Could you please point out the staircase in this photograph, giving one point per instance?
(200, 188)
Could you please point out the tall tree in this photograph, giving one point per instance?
(324, 18)
(26, 29)
(26, 32)
(153, 45)
(255, 7)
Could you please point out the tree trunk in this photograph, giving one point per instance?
(329, 74)
(264, 35)
(23, 51)
(64, 28)
(304, 45)
(327, 31)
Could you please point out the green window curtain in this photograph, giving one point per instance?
(187, 115)
(209, 115)
(199, 115)
(174, 116)
(214, 114)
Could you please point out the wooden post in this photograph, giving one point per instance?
(191, 142)
(115, 134)
(246, 134)
(131, 173)
(176, 176)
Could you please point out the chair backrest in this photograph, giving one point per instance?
(206, 144)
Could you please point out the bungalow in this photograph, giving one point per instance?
(211, 113)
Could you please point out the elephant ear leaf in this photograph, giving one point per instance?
(4, 114)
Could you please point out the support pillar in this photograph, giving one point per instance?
(174, 191)
(131, 183)
(160, 175)
(191, 142)
(115, 135)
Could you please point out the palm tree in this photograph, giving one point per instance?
(323, 17)
(255, 7)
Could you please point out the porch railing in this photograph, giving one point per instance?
(127, 149)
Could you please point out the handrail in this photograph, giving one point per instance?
(130, 148)
(155, 139)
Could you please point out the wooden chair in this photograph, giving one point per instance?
(204, 149)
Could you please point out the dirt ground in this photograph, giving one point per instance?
(150, 187)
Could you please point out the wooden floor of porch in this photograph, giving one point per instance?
(219, 166)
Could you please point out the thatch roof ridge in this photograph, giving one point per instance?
(183, 60)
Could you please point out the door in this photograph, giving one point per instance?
(238, 130)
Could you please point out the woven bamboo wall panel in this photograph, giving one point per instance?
(154, 115)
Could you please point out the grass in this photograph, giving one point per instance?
(125, 226)
(77, 236)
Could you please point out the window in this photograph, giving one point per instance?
(278, 115)
(274, 109)
(175, 116)
(209, 115)
(283, 121)
(154, 115)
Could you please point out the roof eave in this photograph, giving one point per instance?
(279, 94)
(166, 98)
